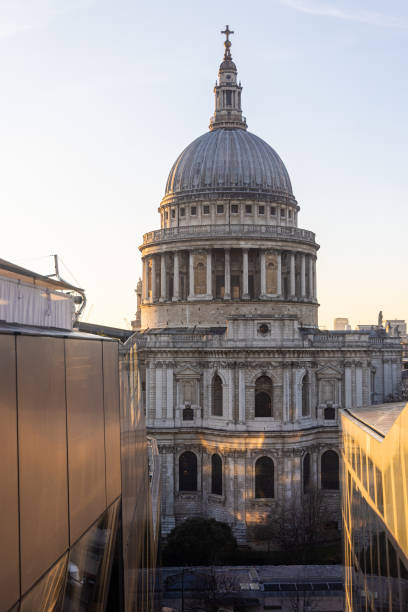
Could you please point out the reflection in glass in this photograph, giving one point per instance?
(47, 594)
(89, 565)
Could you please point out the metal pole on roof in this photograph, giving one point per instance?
(56, 266)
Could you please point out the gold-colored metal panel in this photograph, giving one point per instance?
(42, 454)
(9, 566)
(112, 423)
(47, 594)
(86, 443)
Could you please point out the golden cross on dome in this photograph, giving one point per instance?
(227, 42)
(227, 32)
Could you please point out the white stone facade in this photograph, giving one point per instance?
(234, 367)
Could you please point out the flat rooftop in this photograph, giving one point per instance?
(380, 418)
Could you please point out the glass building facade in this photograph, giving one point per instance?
(78, 486)
(375, 508)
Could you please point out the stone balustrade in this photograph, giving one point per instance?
(226, 231)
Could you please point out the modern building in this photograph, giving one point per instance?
(76, 520)
(241, 389)
(397, 327)
(341, 324)
(375, 507)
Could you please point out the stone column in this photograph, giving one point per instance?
(163, 278)
(303, 275)
(359, 386)
(241, 396)
(176, 278)
(292, 275)
(191, 273)
(279, 273)
(286, 394)
(348, 396)
(145, 279)
(245, 294)
(310, 276)
(154, 284)
(230, 413)
(159, 392)
(263, 274)
(209, 274)
(314, 278)
(227, 274)
(169, 392)
(147, 393)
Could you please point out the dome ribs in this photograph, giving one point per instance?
(228, 163)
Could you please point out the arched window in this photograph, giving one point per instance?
(216, 475)
(306, 473)
(305, 395)
(217, 396)
(264, 478)
(263, 397)
(330, 470)
(187, 472)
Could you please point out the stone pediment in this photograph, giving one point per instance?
(187, 372)
(329, 371)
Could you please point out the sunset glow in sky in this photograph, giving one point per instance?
(100, 97)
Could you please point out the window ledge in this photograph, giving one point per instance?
(218, 499)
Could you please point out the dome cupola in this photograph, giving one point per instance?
(228, 162)
(228, 112)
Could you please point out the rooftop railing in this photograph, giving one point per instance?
(224, 230)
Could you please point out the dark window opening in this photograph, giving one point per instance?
(188, 472)
(273, 210)
(248, 209)
(228, 98)
(182, 212)
(261, 210)
(193, 210)
(166, 215)
(263, 397)
(330, 470)
(264, 478)
(173, 213)
(219, 286)
(216, 475)
(234, 209)
(329, 413)
(188, 414)
(217, 396)
(206, 209)
(220, 209)
(289, 214)
(282, 212)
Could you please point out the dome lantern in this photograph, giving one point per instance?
(228, 112)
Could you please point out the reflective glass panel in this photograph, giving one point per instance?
(90, 563)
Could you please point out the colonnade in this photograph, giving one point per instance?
(280, 274)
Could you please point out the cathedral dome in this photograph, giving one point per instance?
(229, 163)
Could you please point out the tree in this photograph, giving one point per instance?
(295, 525)
(199, 541)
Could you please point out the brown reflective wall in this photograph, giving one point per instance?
(74, 476)
(42, 454)
(86, 443)
(112, 425)
(9, 566)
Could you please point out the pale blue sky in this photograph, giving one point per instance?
(100, 96)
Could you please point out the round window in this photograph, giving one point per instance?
(263, 329)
